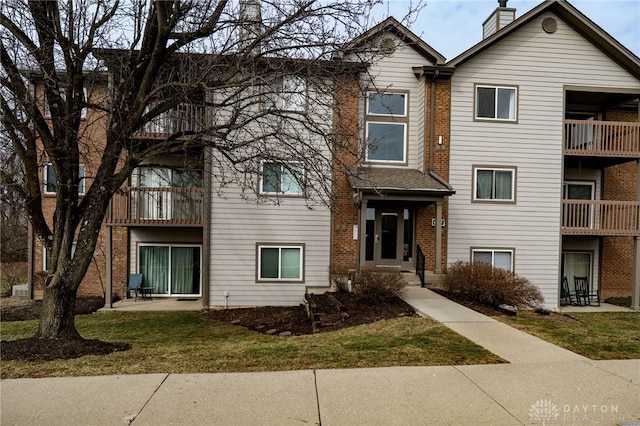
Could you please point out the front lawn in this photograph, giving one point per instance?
(186, 342)
(596, 335)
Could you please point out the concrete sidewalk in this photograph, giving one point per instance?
(544, 384)
(513, 345)
(571, 393)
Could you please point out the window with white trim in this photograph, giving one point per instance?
(46, 258)
(282, 178)
(498, 258)
(386, 127)
(280, 263)
(496, 103)
(494, 184)
(287, 93)
(63, 95)
(50, 181)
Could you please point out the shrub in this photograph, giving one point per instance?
(340, 276)
(481, 282)
(619, 301)
(376, 285)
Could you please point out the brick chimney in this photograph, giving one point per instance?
(500, 18)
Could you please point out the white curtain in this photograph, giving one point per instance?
(577, 265)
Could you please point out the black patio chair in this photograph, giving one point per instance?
(590, 296)
(566, 295)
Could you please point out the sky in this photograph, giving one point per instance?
(453, 26)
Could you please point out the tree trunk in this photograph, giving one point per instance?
(57, 316)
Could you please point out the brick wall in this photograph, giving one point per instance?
(344, 214)
(93, 133)
(619, 183)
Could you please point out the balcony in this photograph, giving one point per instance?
(600, 217)
(183, 118)
(136, 206)
(587, 138)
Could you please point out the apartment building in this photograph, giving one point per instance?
(521, 152)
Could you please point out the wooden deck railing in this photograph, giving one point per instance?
(602, 138)
(157, 207)
(183, 118)
(600, 217)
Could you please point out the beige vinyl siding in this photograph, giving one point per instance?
(160, 236)
(395, 73)
(541, 65)
(238, 225)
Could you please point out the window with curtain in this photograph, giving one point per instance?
(170, 269)
(280, 263)
(576, 264)
(497, 258)
(287, 93)
(496, 103)
(494, 184)
(282, 178)
(63, 95)
(46, 261)
(386, 127)
(50, 181)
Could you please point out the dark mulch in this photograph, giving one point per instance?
(34, 349)
(294, 320)
(491, 311)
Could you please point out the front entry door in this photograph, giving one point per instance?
(389, 232)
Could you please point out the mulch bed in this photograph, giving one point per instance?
(293, 320)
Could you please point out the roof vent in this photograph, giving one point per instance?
(549, 25)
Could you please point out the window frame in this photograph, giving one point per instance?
(300, 246)
(276, 99)
(493, 251)
(301, 182)
(474, 188)
(63, 94)
(377, 118)
(46, 256)
(170, 271)
(45, 180)
(495, 118)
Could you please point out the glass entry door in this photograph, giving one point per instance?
(389, 237)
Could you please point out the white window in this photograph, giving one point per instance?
(498, 258)
(386, 129)
(63, 94)
(46, 258)
(50, 179)
(282, 178)
(287, 93)
(496, 103)
(280, 263)
(494, 184)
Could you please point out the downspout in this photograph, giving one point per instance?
(432, 118)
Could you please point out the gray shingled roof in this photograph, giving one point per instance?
(396, 179)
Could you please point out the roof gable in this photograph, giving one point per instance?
(393, 26)
(576, 20)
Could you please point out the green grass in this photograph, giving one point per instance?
(596, 335)
(184, 342)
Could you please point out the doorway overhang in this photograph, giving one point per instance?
(398, 184)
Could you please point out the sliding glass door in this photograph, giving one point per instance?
(170, 269)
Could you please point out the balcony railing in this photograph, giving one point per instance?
(602, 138)
(183, 118)
(157, 207)
(600, 217)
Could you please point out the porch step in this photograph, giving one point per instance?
(434, 280)
(411, 278)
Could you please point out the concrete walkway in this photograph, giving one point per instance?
(513, 345)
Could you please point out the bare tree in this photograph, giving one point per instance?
(243, 62)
